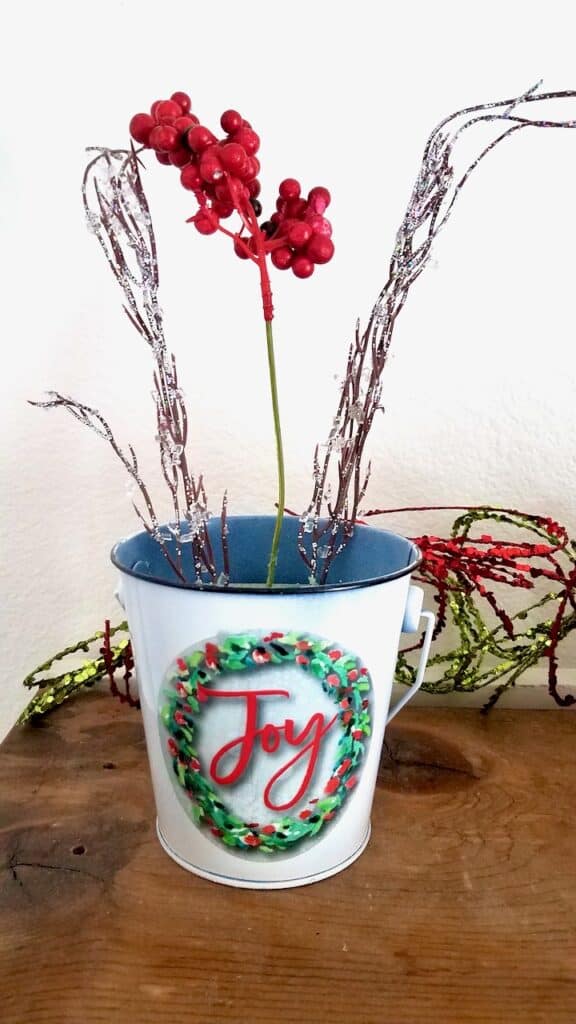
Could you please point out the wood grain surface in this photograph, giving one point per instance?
(462, 909)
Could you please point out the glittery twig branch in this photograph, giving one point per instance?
(328, 522)
(117, 212)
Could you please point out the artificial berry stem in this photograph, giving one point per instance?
(223, 177)
(279, 457)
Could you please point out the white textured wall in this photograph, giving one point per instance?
(480, 389)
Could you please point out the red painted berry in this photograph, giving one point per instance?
(319, 198)
(222, 209)
(332, 785)
(357, 734)
(241, 248)
(282, 259)
(183, 123)
(299, 233)
(319, 224)
(206, 222)
(320, 249)
(200, 137)
(233, 157)
(140, 127)
(248, 139)
(302, 266)
(183, 101)
(289, 189)
(254, 166)
(164, 138)
(268, 830)
(190, 177)
(231, 121)
(180, 157)
(167, 111)
(210, 166)
(222, 192)
(296, 207)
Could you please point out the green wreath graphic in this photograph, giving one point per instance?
(341, 675)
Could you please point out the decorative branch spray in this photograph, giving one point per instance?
(223, 176)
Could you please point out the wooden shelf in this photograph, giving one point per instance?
(462, 909)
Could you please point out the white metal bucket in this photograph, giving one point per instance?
(265, 711)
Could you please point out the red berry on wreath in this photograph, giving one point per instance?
(200, 137)
(140, 127)
(167, 112)
(251, 840)
(183, 101)
(164, 138)
(289, 189)
(231, 121)
(299, 233)
(357, 734)
(320, 249)
(319, 198)
(206, 222)
(190, 177)
(233, 157)
(332, 785)
(282, 259)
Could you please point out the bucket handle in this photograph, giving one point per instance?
(410, 624)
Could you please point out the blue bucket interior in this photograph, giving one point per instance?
(371, 556)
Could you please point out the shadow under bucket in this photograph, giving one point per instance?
(265, 709)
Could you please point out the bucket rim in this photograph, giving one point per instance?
(280, 589)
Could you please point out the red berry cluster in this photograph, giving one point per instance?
(223, 174)
(206, 164)
(300, 229)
